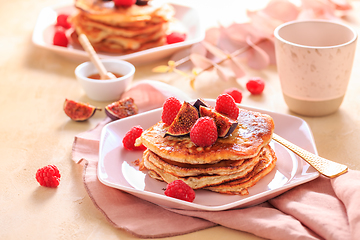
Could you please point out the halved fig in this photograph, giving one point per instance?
(225, 125)
(183, 121)
(121, 109)
(78, 111)
(142, 2)
(201, 102)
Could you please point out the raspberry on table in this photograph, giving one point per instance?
(124, 3)
(235, 93)
(226, 105)
(175, 37)
(204, 132)
(255, 85)
(171, 108)
(61, 21)
(130, 138)
(180, 190)
(60, 38)
(48, 176)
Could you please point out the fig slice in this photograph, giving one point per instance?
(201, 102)
(121, 109)
(78, 111)
(225, 125)
(183, 121)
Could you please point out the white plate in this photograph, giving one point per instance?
(116, 166)
(44, 31)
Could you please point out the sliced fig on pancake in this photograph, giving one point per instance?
(183, 121)
(142, 2)
(225, 125)
(121, 109)
(78, 111)
(201, 102)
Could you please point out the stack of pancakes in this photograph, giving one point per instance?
(121, 30)
(231, 165)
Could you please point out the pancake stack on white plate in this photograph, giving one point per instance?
(231, 165)
(122, 30)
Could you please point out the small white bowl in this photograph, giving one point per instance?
(105, 90)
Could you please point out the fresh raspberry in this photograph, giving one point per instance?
(131, 136)
(180, 190)
(235, 93)
(255, 85)
(204, 132)
(48, 176)
(226, 105)
(60, 38)
(175, 37)
(124, 3)
(171, 108)
(61, 21)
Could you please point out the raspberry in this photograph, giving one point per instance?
(131, 136)
(60, 38)
(48, 176)
(171, 108)
(61, 21)
(255, 85)
(175, 37)
(204, 132)
(235, 93)
(180, 190)
(124, 3)
(226, 105)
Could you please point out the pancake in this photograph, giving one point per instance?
(113, 47)
(240, 186)
(253, 132)
(134, 42)
(224, 167)
(96, 31)
(199, 181)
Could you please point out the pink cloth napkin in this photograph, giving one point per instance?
(320, 209)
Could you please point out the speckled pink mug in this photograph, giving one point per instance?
(314, 60)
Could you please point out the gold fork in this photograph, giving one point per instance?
(324, 166)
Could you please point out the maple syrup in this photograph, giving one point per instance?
(97, 76)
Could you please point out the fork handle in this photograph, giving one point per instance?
(324, 166)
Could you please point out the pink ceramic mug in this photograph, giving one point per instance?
(314, 61)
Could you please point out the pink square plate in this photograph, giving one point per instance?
(116, 167)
